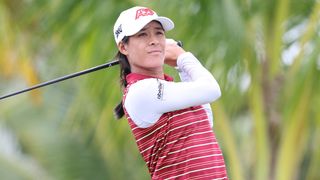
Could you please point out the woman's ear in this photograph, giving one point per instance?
(122, 48)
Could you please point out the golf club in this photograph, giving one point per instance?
(96, 68)
(102, 66)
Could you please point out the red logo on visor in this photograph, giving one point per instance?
(143, 12)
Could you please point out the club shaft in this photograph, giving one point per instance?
(96, 68)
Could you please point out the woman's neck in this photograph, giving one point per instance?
(149, 72)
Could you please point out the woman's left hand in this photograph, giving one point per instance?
(173, 51)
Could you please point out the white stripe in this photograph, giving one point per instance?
(198, 171)
(195, 166)
(215, 174)
(188, 161)
(199, 145)
(158, 140)
(151, 133)
(146, 149)
(186, 125)
(184, 137)
(171, 129)
(185, 112)
(172, 141)
(176, 127)
(148, 142)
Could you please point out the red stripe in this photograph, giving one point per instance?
(180, 145)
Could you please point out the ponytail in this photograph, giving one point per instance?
(124, 71)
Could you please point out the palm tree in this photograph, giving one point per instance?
(264, 55)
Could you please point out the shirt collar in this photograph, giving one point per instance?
(134, 77)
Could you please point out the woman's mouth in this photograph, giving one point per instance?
(155, 52)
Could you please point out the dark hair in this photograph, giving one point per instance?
(124, 71)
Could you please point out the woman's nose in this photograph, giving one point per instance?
(153, 40)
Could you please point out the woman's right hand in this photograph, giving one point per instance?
(173, 51)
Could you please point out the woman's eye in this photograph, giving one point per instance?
(142, 34)
(160, 32)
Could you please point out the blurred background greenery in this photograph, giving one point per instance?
(264, 54)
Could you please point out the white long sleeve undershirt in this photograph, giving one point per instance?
(148, 99)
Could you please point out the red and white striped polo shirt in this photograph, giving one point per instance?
(176, 144)
(181, 145)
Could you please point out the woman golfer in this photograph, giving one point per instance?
(171, 121)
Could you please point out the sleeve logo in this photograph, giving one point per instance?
(160, 90)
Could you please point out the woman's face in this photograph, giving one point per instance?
(146, 49)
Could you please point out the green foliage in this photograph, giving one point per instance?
(264, 54)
